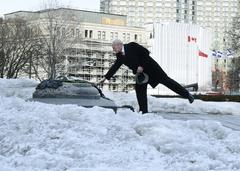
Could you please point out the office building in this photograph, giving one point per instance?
(212, 14)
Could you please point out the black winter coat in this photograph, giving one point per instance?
(136, 55)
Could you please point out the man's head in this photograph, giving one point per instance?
(117, 45)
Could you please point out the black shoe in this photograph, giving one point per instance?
(190, 98)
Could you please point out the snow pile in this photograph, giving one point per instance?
(22, 88)
(36, 136)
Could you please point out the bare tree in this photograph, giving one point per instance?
(2, 44)
(233, 76)
(16, 46)
(233, 36)
(58, 33)
(217, 77)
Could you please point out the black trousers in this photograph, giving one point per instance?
(141, 92)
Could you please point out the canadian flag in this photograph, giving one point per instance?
(192, 39)
(200, 53)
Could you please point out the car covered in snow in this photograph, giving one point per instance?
(73, 91)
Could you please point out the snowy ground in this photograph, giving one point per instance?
(36, 136)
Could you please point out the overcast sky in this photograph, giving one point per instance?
(8, 6)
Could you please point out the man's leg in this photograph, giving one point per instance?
(141, 93)
(176, 87)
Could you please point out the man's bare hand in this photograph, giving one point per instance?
(139, 69)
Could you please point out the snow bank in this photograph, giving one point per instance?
(36, 136)
(22, 88)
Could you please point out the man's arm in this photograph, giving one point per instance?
(112, 70)
(102, 81)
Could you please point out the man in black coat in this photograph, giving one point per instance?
(137, 58)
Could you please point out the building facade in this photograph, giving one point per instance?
(89, 55)
(140, 12)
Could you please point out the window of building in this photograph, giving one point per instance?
(128, 37)
(151, 36)
(159, 15)
(116, 35)
(140, 38)
(124, 37)
(149, 14)
(86, 33)
(111, 36)
(135, 37)
(131, 3)
(168, 5)
(87, 78)
(149, 4)
(90, 33)
(104, 35)
(72, 32)
(122, 3)
(158, 4)
(114, 87)
(114, 2)
(141, 9)
(77, 33)
(99, 34)
(140, 3)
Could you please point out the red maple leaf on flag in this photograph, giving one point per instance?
(192, 39)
